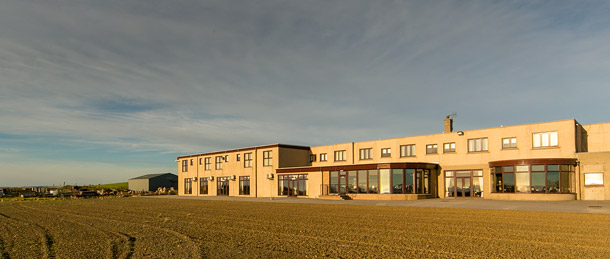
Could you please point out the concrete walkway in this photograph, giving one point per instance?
(598, 207)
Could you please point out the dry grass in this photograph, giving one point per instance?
(161, 228)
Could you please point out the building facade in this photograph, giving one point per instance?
(558, 160)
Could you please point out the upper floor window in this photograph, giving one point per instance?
(365, 154)
(247, 160)
(386, 152)
(191, 161)
(226, 158)
(323, 157)
(509, 143)
(312, 157)
(340, 155)
(477, 145)
(407, 150)
(449, 147)
(208, 163)
(219, 162)
(237, 157)
(267, 158)
(200, 160)
(185, 165)
(431, 149)
(545, 139)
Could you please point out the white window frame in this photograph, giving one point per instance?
(594, 179)
(545, 139)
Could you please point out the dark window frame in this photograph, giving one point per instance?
(268, 158)
(407, 150)
(474, 147)
(323, 157)
(386, 152)
(432, 149)
(341, 154)
(366, 153)
(244, 185)
(451, 148)
(510, 143)
(203, 185)
(247, 160)
(218, 162)
(207, 163)
(185, 165)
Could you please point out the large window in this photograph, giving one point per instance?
(293, 184)
(188, 185)
(545, 139)
(219, 162)
(247, 160)
(386, 152)
(383, 181)
(477, 145)
(431, 149)
(203, 185)
(366, 153)
(509, 143)
(407, 150)
(208, 163)
(323, 157)
(185, 165)
(267, 158)
(340, 155)
(449, 147)
(244, 185)
(534, 179)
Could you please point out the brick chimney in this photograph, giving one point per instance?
(448, 124)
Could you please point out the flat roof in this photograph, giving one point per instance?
(247, 148)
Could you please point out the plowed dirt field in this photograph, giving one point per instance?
(164, 228)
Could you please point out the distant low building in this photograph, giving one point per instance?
(152, 182)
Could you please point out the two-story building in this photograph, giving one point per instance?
(558, 160)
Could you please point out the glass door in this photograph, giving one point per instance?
(342, 184)
(462, 187)
(223, 186)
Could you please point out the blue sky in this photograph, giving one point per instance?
(103, 91)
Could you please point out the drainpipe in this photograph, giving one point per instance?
(353, 153)
(578, 193)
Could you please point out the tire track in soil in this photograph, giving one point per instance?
(113, 249)
(131, 240)
(46, 235)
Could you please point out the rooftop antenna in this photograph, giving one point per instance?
(452, 116)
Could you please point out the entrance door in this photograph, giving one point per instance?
(342, 184)
(223, 186)
(462, 187)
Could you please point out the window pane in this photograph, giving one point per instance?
(373, 184)
(352, 183)
(334, 182)
(522, 168)
(484, 146)
(513, 142)
(537, 168)
(509, 182)
(553, 138)
(477, 186)
(505, 143)
(477, 173)
(409, 180)
(545, 139)
(538, 182)
(552, 182)
(477, 145)
(552, 167)
(362, 177)
(397, 180)
(537, 140)
(470, 145)
(508, 169)
(449, 187)
(418, 181)
(384, 181)
(497, 182)
(449, 173)
(523, 182)
(462, 174)
(565, 182)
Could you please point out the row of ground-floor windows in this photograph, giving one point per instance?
(383, 181)
(534, 179)
(292, 185)
(464, 183)
(222, 185)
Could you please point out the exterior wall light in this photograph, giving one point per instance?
(460, 133)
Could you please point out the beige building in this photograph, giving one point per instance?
(558, 160)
